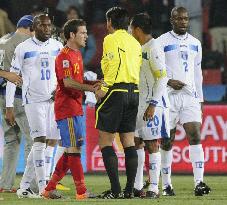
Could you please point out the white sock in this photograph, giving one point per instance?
(48, 160)
(29, 172)
(59, 152)
(139, 174)
(166, 163)
(154, 171)
(196, 155)
(38, 160)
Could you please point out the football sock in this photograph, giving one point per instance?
(139, 173)
(76, 169)
(48, 160)
(59, 152)
(111, 164)
(166, 163)
(131, 164)
(154, 171)
(38, 160)
(196, 156)
(59, 172)
(147, 162)
(29, 172)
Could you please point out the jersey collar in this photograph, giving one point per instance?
(179, 37)
(120, 31)
(38, 42)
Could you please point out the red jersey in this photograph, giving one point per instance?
(68, 101)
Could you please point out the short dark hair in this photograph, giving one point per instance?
(119, 17)
(143, 21)
(178, 10)
(38, 18)
(72, 26)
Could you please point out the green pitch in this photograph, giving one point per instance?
(183, 188)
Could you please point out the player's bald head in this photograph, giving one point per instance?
(176, 10)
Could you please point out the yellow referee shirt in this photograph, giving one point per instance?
(121, 60)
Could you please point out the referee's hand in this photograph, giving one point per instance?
(149, 113)
(99, 94)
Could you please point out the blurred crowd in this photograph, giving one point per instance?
(208, 23)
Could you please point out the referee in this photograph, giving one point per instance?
(118, 100)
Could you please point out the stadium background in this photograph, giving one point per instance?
(209, 14)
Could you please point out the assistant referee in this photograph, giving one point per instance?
(118, 100)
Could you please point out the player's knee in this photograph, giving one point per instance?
(105, 141)
(166, 144)
(194, 136)
(194, 140)
(139, 144)
(152, 146)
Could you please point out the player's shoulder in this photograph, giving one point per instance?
(194, 39)
(66, 53)
(152, 45)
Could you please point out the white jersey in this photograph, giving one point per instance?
(35, 61)
(183, 56)
(153, 78)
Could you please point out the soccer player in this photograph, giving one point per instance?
(12, 132)
(35, 60)
(153, 113)
(118, 100)
(183, 55)
(68, 109)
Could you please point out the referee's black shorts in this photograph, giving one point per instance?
(117, 111)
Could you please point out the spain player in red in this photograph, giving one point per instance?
(68, 108)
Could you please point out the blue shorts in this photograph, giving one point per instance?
(72, 131)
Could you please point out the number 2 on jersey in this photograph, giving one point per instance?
(185, 64)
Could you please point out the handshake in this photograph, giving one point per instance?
(96, 89)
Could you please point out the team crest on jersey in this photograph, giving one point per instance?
(44, 62)
(65, 64)
(184, 55)
(110, 56)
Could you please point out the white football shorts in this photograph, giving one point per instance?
(41, 120)
(184, 108)
(156, 128)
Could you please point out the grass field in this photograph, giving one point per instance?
(183, 187)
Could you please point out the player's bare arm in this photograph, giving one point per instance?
(176, 84)
(70, 83)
